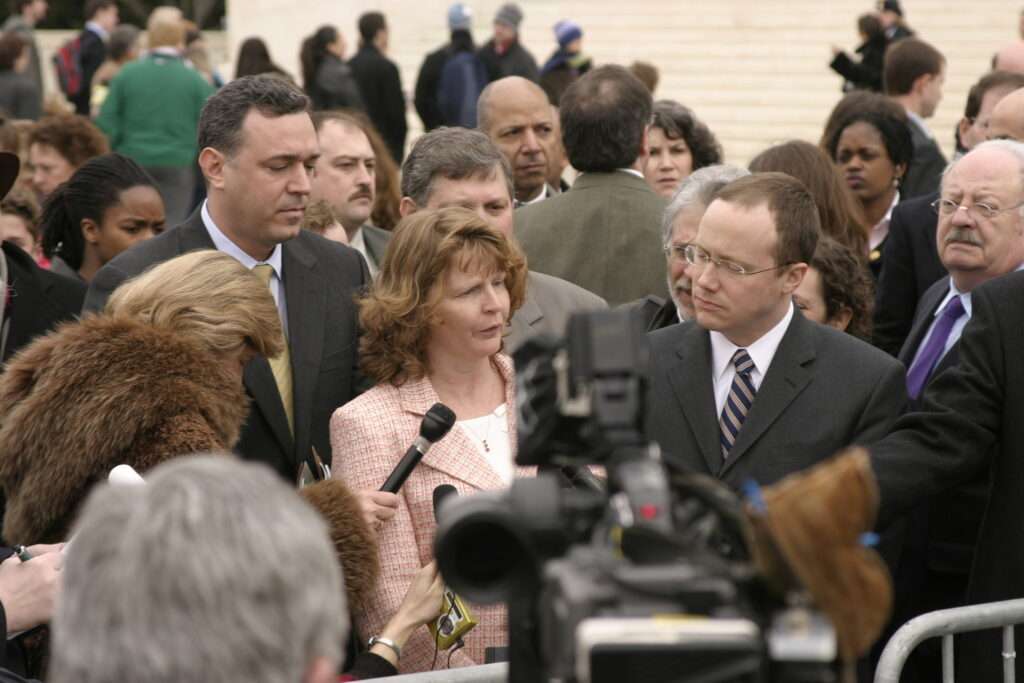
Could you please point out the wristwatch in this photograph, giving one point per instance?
(386, 642)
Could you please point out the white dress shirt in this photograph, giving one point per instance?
(358, 242)
(761, 352)
(224, 244)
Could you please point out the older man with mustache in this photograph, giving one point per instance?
(980, 236)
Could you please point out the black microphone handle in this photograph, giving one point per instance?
(405, 466)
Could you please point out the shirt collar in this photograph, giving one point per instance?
(761, 351)
(224, 243)
(965, 297)
(98, 30)
(632, 171)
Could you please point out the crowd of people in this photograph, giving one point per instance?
(268, 274)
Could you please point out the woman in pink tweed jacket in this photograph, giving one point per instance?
(432, 331)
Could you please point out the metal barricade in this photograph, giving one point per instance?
(945, 623)
(486, 673)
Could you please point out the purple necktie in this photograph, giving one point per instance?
(933, 350)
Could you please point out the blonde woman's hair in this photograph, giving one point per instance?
(395, 315)
(208, 296)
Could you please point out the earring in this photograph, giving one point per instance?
(896, 181)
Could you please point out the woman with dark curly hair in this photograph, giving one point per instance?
(679, 144)
(432, 326)
(837, 290)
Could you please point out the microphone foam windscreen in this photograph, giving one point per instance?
(354, 543)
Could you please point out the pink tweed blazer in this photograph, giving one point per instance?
(369, 435)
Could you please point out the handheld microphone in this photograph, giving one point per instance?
(455, 620)
(436, 423)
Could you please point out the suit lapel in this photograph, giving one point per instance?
(787, 376)
(528, 315)
(305, 295)
(456, 455)
(690, 379)
(927, 306)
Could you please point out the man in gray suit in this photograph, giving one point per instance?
(258, 150)
(756, 391)
(459, 167)
(603, 234)
(345, 178)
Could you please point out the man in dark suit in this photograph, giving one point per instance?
(754, 390)
(345, 175)
(914, 75)
(32, 300)
(910, 265)
(459, 167)
(380, 83)
(258, 150)
(975, 247)
(911, 260)
(101, 17)
(603, 233)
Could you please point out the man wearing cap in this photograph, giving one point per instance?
(503, 55)
(32, 300)
(429, 82)
(567, 63)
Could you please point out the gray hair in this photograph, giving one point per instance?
(452, 153)
(1011, 147)
(220, 123)
(699, 189)
(214, 570)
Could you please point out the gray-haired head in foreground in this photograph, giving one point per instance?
(214, 570)
(699, 189)
(1011, 147)
(452, 153)
(220, 123)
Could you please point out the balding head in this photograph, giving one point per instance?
(503, 92)
(1010, 58)
(515, 114)
(1007, 121)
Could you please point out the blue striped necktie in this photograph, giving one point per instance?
(737, 405)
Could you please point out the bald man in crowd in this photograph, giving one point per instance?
(515, 114)
(1007, 121)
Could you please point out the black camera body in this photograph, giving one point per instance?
(642, 575)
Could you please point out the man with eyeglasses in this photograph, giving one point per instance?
(910, 260)
(980, 237)
(679, 228)
(754, 390)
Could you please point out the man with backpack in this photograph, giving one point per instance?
(452, 77)
(78, 59)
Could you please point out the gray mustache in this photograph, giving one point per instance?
(963, 235)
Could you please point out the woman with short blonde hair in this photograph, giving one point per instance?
(157, 375)
(433, 323)
(208, 296)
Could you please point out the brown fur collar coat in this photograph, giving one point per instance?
(95, 394)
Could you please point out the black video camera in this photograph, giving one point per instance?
(645, 575)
